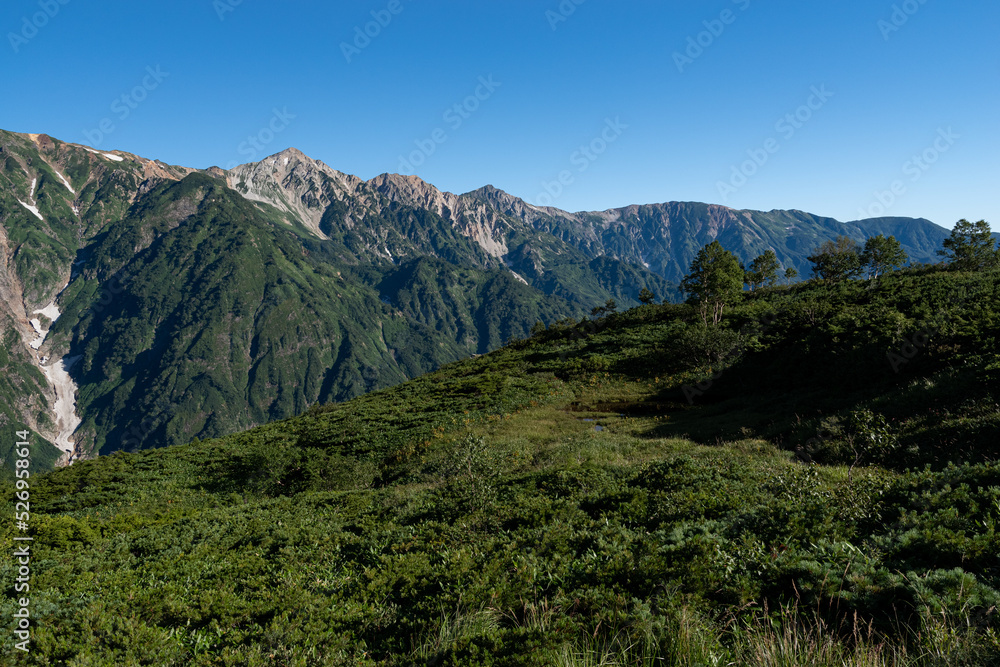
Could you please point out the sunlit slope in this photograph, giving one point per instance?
(563, 497)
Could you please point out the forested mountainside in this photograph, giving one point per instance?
(146, 304)
(181, 308)
(814, 480)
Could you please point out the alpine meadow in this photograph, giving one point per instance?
(569, 334)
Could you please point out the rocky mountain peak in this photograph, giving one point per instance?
(412, 191)
(293, 182)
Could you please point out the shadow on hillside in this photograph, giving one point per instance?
(794, 396)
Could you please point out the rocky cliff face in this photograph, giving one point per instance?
(663, 238)
(307, 191)
(295, 184)
(244, 296)
(53, 197)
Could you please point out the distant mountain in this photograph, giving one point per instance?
(174, 303)
(661, 238)
(664, 238)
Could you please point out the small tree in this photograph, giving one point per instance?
(791, 273)
(970, 247)
(716, 279)
(763, 271)
(882, 255)
(871, 438)
(837, 260)
(476, 468)
(646, 296)
(609, 307)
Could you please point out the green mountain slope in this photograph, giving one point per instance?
(198, 303)
(483, 309)
(639, 489)
(53, 196)
(222, 320)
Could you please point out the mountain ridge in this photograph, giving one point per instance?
(414, 191)
(382, 278)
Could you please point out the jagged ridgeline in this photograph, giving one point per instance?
(171, 303)
(187, 309)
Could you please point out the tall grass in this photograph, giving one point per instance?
(455, 627)
(792, 639)
(789, 638)
(680, 639)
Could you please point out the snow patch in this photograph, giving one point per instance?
(37, 343)
(519, 277)
(50, 311)
(34, 182)
(110, 156)
(31, 208)
(57, 373)
(65, 182)
(65, 408)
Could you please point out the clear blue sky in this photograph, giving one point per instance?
(927, 87)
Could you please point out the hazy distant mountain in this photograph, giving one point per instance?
(196, 303)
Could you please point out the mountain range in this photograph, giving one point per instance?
(144, 304)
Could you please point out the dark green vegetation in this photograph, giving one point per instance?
(716, 279)
(812, 481)
(203, 303)
(222, 321)
(195, 312)
(971, 247)
(21, 385)
(763, 271)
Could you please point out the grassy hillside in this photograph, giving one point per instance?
(637, 490)
(195, 312)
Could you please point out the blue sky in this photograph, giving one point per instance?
(848, 109)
